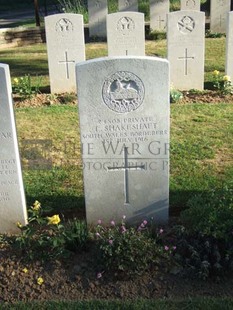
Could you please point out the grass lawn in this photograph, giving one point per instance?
(190, 304)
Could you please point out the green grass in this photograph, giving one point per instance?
(56, 128)
(200, 149)
(188, 303)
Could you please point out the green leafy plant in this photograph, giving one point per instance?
(128, 251)
(23, 86)
(175, 95)
(210, 34)
(210, 214)
(203, 256)
(157, 35)
(48, 236)
(205, 242)
(222, 83)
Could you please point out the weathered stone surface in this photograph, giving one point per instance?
(229, 46)
(218, 15)
(124, 121)
(128, 5)
(187, 5)
(12, 197)
(158, 14)
(97, 10)
(186, 48)
(126, 34)
(65, 47)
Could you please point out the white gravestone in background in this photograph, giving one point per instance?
(158, 14)
(12, 197)
(229, 46)
(218, 15)
(65, 47)
(190, 5)
(124, 122)
(97, 11)
(126, 34)
(186, 49)
(128, 5)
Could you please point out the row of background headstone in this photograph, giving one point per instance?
(126, 36)
(98, 10)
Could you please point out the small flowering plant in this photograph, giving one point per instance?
(48, 236)
(23, 86)
(126, 250)
(222, 83)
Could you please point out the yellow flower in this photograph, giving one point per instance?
(36, 206)
(216, 72)
(54, 220)
(16, 80)
(40, 280)
(226, 78)
(19, 225)
(25, 270)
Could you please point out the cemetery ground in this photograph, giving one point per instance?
(200, 177)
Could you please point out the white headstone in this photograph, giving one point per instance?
(126, 34)
(189, 5)
(124, 121)
(97, 11)
(229, 46)
(65, 47)
(186, 48)
(128, 5)
(12, 197)
(218, 15)
(158, 14)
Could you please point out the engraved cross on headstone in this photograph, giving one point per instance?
(221, 19)
(160, 22)
(99, 26)
(186, 58)
(67, 62)
(126, 167)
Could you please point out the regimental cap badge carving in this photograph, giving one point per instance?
(64, 26)
(123, 92)
(186, 24)
(125, 25)
(190, 3)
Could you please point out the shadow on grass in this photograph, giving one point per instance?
(209, 86)
(74, 206)
(179, 199)
(24, 23)
(20, 68)
(68, 206)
